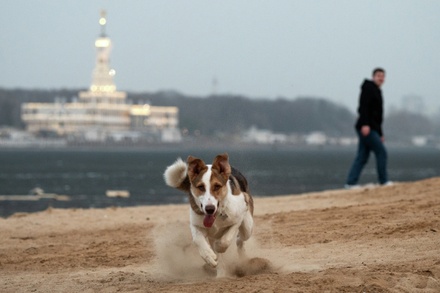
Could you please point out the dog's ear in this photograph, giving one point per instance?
(195, 167)
(221, 164)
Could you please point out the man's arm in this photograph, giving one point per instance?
(364, 112)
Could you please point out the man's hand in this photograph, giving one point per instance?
(365, 130)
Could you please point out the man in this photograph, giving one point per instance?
(369, 130)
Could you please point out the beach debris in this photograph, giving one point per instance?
(35, 194)
(118, 193)
(36, 191)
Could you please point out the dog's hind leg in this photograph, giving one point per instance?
(244, 233)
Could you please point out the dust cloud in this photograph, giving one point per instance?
(178, 258)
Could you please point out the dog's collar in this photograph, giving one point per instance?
(223, 216)
(222, 213)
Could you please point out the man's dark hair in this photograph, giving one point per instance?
(378, 69)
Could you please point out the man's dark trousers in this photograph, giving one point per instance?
(371, 142)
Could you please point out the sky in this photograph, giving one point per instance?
(260, 49)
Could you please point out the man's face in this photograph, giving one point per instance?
(379, 78)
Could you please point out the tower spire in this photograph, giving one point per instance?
(103, 22)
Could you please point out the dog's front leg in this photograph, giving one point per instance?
(221, 267)
(225, 241)
(205, 250)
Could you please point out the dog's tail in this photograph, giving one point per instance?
(176, 175)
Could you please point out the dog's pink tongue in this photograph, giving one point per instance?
(208, 221)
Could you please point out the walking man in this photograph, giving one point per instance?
(369, 130)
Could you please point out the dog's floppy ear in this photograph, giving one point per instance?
(195, 167)
(221, 164)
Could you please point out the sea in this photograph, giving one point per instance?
(85, 175)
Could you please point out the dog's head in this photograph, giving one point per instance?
(209, 184)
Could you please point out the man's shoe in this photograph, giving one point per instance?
(349, 186)
(388, 183)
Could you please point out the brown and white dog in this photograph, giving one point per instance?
(221, 205)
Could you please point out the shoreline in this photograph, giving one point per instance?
(199, 146)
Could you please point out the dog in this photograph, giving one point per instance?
(221, 206)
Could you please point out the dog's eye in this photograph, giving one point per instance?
(217, 187)
(201, 188)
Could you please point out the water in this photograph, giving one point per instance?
(86, 175)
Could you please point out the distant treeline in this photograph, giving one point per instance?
(235, 114)
(231, 114)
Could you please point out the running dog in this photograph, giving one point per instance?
(221, 205)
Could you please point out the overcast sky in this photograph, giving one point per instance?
(262, 49)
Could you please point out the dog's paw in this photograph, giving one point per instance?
(209, 256)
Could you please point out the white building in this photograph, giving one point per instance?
(102, 112)
(263, 136)
(316, 138)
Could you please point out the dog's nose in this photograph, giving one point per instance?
(210, 209)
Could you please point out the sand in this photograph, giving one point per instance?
(375, 239)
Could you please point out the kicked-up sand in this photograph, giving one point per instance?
(373, 239)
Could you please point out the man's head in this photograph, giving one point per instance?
(378, 76)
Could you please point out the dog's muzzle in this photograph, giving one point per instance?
(210, 209)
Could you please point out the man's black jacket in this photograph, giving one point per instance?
(370, 107)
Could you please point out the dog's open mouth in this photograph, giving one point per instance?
(208, 221)
(210, 212)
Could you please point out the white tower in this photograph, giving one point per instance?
(103, 74)
(103, 89)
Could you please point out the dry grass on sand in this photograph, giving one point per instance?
(384, 239)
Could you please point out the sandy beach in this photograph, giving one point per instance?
(373, 239)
